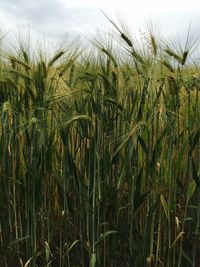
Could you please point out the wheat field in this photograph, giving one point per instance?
(100, 155)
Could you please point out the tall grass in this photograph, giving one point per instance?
(99, 157)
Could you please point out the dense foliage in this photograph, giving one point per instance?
(100, 157)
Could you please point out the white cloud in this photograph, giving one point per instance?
(54, 18)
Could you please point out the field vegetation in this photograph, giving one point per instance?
(100, 155)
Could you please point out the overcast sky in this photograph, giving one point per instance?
(55, 18)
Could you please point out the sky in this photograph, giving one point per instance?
(53, 19)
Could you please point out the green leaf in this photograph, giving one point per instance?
(179, 236)
(47, 252)
(143, 145)
(187, 257)
(195, 174)
(140, 200)
(72, 245)
(93, 260)
(36, 254)
(191, 189)
(19, 240)
(195, 139)
(165, 206)
(105, 235)
(121, 177)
